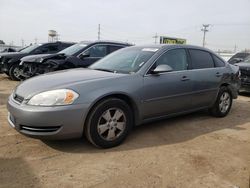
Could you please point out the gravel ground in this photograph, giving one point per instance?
(194, 150)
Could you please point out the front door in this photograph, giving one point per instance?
(93, 54)
(168, 92)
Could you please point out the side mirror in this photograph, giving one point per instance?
(84, 55)
(237, 60)
(161, 69)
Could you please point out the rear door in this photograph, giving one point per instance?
(168, 92)
(206, 78)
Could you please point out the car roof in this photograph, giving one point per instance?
(169, 46)
(106, 42)
(56, 42)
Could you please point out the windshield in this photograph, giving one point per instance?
(73, 49)
(30, 48)
(127, 60)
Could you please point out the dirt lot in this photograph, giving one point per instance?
(195, 150)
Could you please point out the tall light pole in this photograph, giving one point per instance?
(204, 29)
(99, 32)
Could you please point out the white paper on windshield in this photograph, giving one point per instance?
(150, 49)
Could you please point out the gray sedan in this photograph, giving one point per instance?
(127, 88)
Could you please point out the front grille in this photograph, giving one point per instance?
(39, 129)
(245, 72)
(18, 98)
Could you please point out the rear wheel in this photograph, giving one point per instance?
(223, 103)
(109, 123)
(15, 72)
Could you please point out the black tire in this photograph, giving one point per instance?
(96, 115)
(12, 73)
(7, 73)
(218, 111)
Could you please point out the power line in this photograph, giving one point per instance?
(204, 29)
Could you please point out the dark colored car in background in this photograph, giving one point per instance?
(9, 62)
(8, 50)
(245, 74)
(129, 87)
(239, 57)
(82, 54)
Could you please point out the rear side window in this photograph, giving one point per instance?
(53, 48)
(201, 59)
(176, 59)
(218, 62)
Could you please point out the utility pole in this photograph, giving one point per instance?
(204, 29)
(235, 48)
(99, 31)
(155, 37)
(22, 42)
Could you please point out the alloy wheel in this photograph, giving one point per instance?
(111, 124)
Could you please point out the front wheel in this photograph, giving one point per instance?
(223, 103)
(109, 123)
(15, 72)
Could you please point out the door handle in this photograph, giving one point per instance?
(184, 78)
(218, 74)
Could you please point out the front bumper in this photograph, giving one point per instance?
(245, 84)
(245, 87)
(4, 67)
(1, 67)
(61, 122)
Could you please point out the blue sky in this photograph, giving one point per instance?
(127, 20)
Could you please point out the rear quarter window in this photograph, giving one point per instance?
(201, 59)
(218, 62)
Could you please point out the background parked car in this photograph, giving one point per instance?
(239, 57)
(245, 74)
(9, 62)
(82, 54)
(8, 50)
(131, 86)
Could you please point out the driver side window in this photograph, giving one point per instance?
(97, 51)
(176, 59)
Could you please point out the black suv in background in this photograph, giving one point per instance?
(81, 54)
(245, 74)
(9, 62)
(239, 57)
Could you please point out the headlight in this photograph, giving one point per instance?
(54, 98)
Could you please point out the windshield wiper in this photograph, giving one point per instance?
(106, 70)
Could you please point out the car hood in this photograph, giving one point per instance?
(39, 57)
(243, 65)
(61, 79)
(13, 54)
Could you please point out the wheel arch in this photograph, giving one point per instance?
(129, 100)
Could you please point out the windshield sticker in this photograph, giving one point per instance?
(150, 49)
